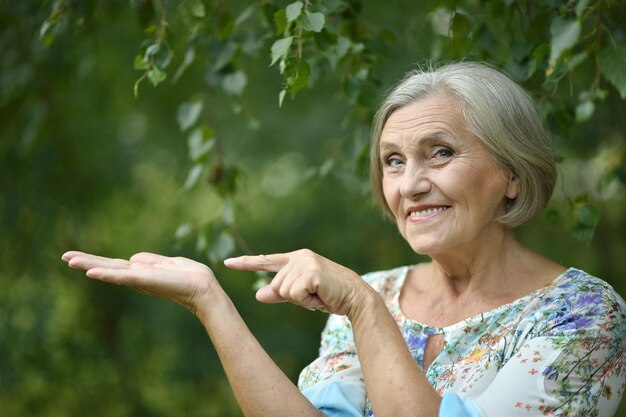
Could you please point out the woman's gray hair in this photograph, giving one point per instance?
(499, 113)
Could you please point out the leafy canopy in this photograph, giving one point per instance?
(570, 54)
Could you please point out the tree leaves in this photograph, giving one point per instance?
(156, 57)
(564, 34)
(156, 75)
(280, 49)
(297, 77)
(562, 53)
(313, 22)
(585, 218)
(612, 62)
(235, 82)
(194, 175)
(222, 247)
(200, 143)
(197, 8)
(188, 113)
(293, 11)
(309, 21)
(584, 110)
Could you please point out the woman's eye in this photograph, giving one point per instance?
(393, 162)
(441, 153)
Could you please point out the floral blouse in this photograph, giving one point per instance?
(558, 351)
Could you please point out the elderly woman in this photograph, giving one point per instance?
(487, 328)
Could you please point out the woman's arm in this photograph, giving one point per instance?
(260, 387)
(395, 384)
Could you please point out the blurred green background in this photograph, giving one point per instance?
(86, 165)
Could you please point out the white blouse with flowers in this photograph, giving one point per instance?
(558, 351)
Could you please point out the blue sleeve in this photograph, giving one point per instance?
(453, 406)
(343, 399)
(337, 398)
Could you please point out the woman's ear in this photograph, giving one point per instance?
(512, 188)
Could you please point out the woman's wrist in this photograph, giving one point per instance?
(366, 303)
(211, 302)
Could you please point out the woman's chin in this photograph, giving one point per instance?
(426, 248)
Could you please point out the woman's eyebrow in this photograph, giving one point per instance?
(386, 145)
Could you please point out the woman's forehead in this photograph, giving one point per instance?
(433, 117)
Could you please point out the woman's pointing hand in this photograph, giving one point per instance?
(306, 279)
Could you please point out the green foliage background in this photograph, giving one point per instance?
(207, 164)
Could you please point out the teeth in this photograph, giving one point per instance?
(427, 212)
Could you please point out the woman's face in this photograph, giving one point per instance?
(439, 181)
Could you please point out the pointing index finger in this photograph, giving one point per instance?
(267, 263)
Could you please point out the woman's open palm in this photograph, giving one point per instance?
(178, 279)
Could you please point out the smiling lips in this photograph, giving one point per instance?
(416, 213)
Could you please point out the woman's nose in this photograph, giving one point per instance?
(415, 181)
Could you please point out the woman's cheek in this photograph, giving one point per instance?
(390, 191)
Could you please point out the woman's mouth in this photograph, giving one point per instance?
(421, 213)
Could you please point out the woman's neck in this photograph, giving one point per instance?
(499, 267)
(476, 264)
